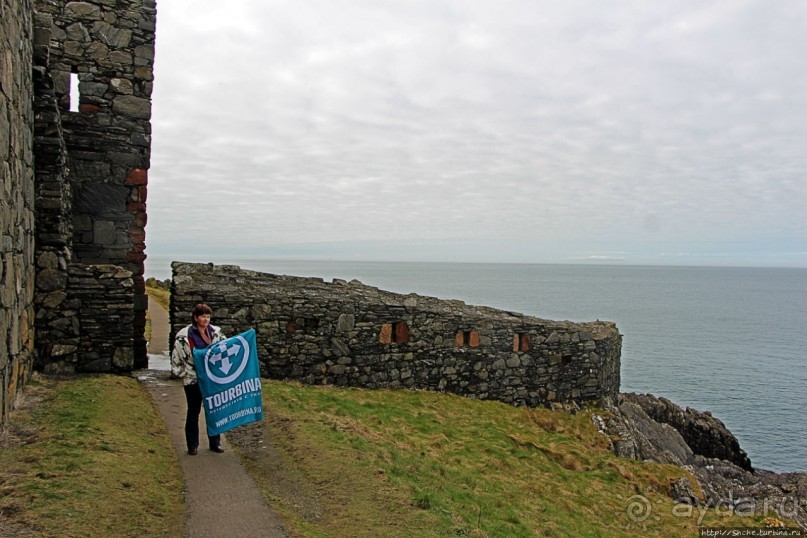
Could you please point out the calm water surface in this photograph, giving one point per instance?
(728, 340)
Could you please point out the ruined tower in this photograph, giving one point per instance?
(75, 141)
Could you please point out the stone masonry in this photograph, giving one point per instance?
(16, 198)
(108, 45)
(73, 186)
(350, 334)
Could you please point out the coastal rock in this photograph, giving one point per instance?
(644, 427)
(637, 436)
(727, 487)
(705, 435)
(681, 490)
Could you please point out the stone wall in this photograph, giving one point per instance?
(73, 186)
(346, 333)
(16, 198)
(90, 330)
(54, 228)
(108, 45)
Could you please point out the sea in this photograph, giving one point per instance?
(728, 340)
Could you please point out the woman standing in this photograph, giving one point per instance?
(198, 335)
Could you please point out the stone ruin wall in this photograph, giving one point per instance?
(350, 334)
(73, 186)
(109, 46)
(16, 198)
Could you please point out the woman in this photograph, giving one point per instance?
(198, 335)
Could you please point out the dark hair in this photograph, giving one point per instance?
(198, 310)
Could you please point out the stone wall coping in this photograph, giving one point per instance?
(334, 291)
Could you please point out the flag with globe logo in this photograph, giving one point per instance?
(229, 377)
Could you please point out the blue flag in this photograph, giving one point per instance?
(229, 377)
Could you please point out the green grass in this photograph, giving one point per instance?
(89, 456)
(400, 463)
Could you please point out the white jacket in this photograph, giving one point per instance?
(182, 358)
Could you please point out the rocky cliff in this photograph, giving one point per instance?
(645, 427)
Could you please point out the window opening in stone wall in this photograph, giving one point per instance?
(74, 93)
(397, 332)
(521, 342)
(459, 339)
(291, 327)
(467, 338)
(400, 333)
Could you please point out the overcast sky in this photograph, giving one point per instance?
(468, 130)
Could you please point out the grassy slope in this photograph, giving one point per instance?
(336, 462)
(89, 456)
(392, 463)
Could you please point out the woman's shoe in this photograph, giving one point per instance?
(218, 449)
(192, 451)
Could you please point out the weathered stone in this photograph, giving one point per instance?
(82, 10)
(144, 73)
(97, 51)
(113, 36)
(132, 106)
(97, 89)
(47, 260)
(122, 86)
(144, 51)
(339, 347)
(123, 358)
(345, 323)
(54, 299)
(121, 57)
(59, 350)
(77, 32)
(101, 200)
(51, 280)
(104, 232)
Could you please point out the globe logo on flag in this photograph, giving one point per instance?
(225, 361)
(230, 382)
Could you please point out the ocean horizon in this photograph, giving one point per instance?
(729, 340)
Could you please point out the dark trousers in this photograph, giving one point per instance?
(193, 394)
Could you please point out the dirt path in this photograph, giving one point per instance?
(158, 343)
(220, 497)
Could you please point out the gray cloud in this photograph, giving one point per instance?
(574, 128)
